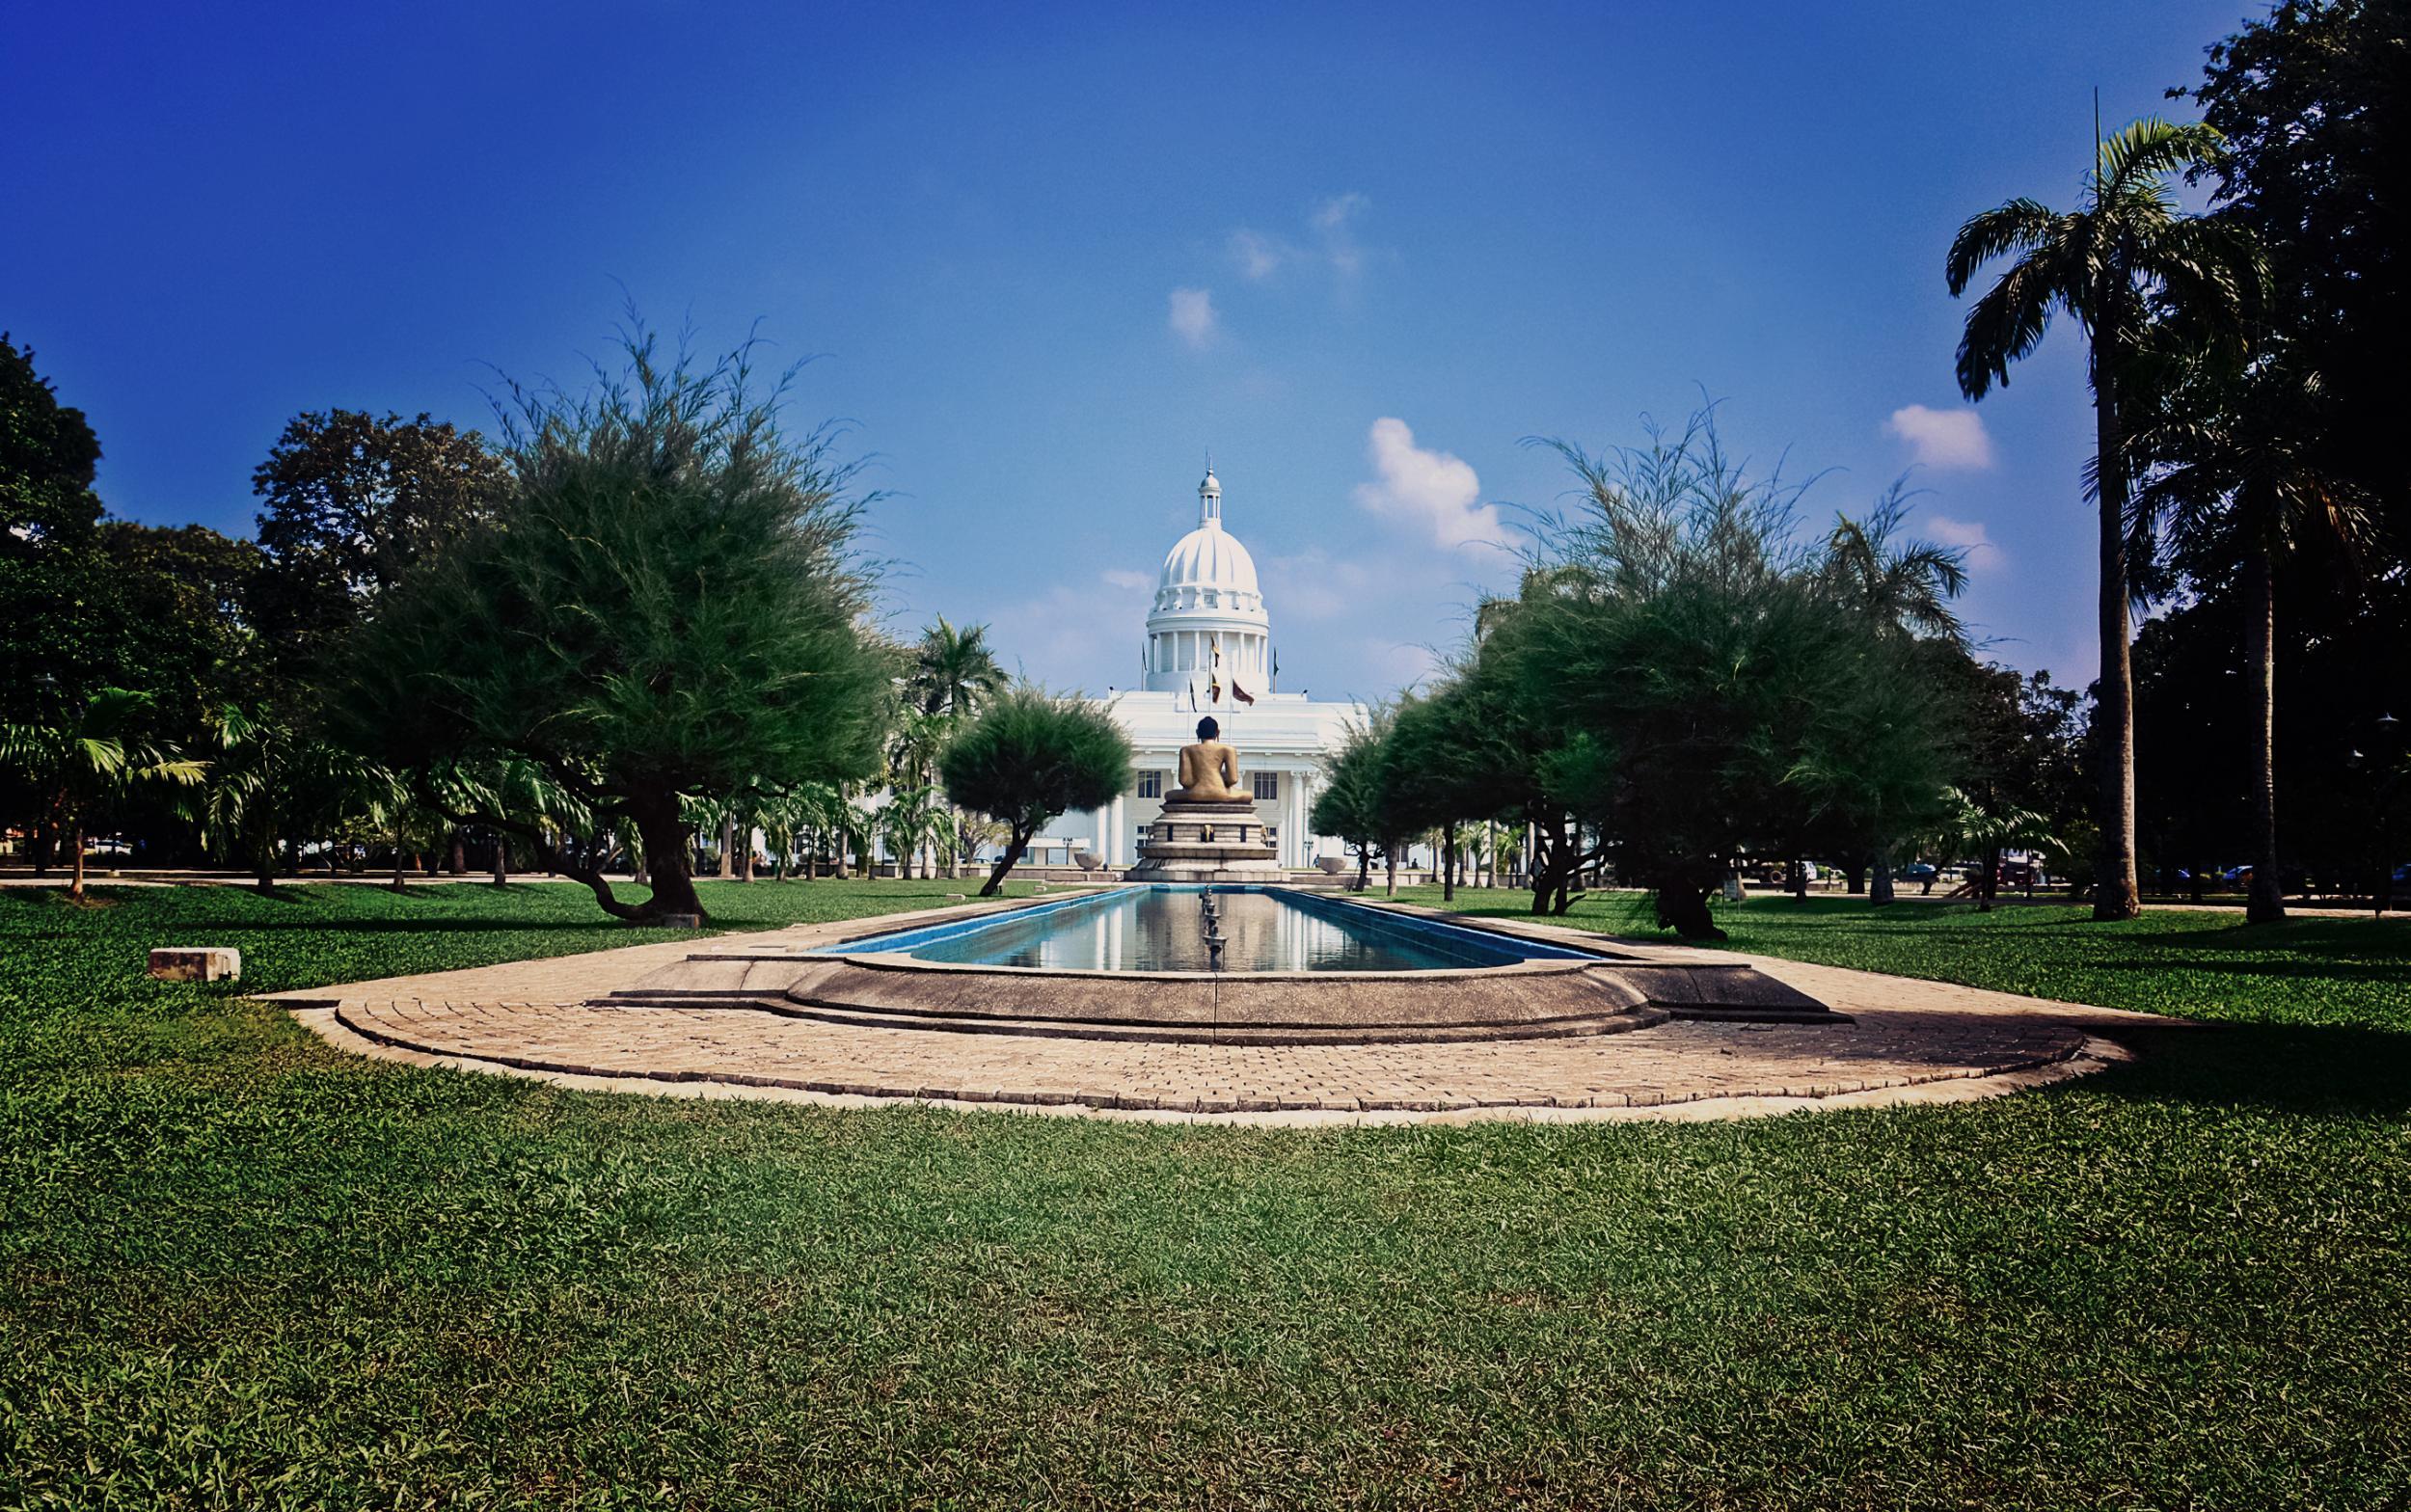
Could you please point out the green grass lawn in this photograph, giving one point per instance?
(240, 1269)
(2313, 970)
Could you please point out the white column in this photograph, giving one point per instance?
(1116, 852)
(1293, 828)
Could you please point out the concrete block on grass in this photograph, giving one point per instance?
(197, 964)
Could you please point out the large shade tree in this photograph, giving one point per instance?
(2124, 253)
(351, 500)
(1029, 756)
(2313, 99)
(667, 602)
(50, 569)
(2237, 472)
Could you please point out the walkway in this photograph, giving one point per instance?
(1912, 1042)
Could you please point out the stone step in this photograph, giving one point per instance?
(1614, 1021)
(1605, 1022)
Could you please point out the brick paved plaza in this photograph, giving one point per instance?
(1910, 1040)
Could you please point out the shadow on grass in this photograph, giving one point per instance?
(2307, 1070)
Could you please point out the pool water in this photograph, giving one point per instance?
(1164, 928)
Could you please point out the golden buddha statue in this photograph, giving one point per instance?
(1209, 771)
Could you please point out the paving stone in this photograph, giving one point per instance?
(533, 1016)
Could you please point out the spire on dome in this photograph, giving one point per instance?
(1209, 496)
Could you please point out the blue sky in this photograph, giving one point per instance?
(1046, 257)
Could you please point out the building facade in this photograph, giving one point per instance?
(1210, 651)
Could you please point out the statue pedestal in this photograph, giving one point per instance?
(1217, 840)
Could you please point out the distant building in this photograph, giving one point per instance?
(1210, 651)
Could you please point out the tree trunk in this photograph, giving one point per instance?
(1683, 907)
(501, 859)
(1796, 875)
(1991, 886)
(75, 839)
(44, 845)
(1363, 867)
(1538, 871)
(1004, 866)
(399, 884)
(1881, 891)
(1855, 879)
(665, 839)
(2266, 900)
(745, 870)
(1390, 870)
(728, 847)
(2118, 894)
(460, 853)
(1448, 864)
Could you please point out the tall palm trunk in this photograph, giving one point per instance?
(2117, 895)
(2266, 901)
(75, 838)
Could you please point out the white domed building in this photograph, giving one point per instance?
(1210, 651)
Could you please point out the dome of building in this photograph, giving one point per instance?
(1209, 617)
(1208, 559)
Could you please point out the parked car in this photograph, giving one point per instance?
(1917, 872)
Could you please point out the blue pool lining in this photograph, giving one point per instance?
(1358, 914)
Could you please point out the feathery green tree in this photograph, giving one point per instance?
(669, 601)
(1029, 756)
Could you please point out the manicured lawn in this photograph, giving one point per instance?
(237, 1268)
(2343, 971)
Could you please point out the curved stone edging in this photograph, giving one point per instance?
(384, 1031)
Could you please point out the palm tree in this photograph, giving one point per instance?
(2232, 467)
(272, 782)
(1902, 588)
(2123, 253)
(80, 764)
(1906, 587)
(912, 818)
(1965, 827)
(954, 671)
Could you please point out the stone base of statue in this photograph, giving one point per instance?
(1218, 840)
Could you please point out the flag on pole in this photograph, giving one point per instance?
(1213, 678)
(1241, 694)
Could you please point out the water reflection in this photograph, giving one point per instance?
(1164, 928)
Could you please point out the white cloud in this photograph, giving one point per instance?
(1969, 535)
(1942, 438)
(1258, 256)
(1330, 242)
(1312, 586)
(1428, 490)
(1331, 220)
(1402, 665)
(1193, 316)
(1077, 635)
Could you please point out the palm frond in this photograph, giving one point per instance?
(2019, 226)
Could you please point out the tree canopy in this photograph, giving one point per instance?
(1029, 756)
(667, 600)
